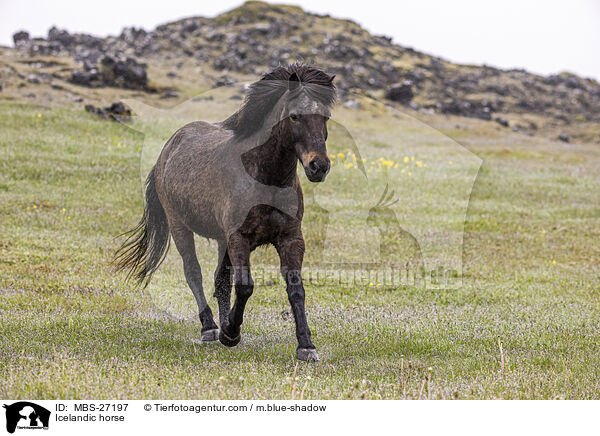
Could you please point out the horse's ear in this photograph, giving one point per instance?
(331, 78)
(294, 82)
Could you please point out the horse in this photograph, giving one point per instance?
(236, 182)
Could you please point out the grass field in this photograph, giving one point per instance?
(72, 328)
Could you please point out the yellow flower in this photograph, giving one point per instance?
(409, 173)
(396, 166)
(553, 262)
(39, 115)
(35, 206)
(64, 210)
(419, 163)
(342, 156)
(405, 159)
(449, 162)
(412, 158)
(69, 217)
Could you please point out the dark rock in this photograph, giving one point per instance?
(502, 121)
(502, 90)
(61, 36)
(20, 36)
(564, 137)
(116, 111)
(190, 27)
(567, 80)
(127, 73)
(89, 58)
(88, 42)
(466, 108)
(170, 94)
(132, 35)
(32, 78)
(85, 78)
(400, 92)
(225, 81)
(119, 109)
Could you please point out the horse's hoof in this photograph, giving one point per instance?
(307, 354)
(210, 335)
(227, 341)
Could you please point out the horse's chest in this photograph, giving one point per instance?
(265, 224)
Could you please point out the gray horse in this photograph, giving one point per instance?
(236, 182)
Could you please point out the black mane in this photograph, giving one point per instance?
(265, 93)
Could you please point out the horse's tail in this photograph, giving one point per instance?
(147, 244)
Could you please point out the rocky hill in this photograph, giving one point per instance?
(176, 59)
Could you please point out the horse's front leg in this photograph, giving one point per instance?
(291, 253)
(238, 249)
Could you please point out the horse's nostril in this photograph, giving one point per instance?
(317, 169)
(313, 165)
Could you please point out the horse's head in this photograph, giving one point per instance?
(291, 103)
(304, 126)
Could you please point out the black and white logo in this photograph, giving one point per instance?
(26, 415)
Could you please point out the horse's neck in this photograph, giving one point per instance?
(271, 163)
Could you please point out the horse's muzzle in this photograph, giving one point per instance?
(317, 169)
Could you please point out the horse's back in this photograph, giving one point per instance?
(186, 171)
(202, 135)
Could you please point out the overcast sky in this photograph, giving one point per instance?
(541, 36)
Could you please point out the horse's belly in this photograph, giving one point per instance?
(200, 219)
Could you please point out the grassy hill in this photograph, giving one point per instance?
(178, 60)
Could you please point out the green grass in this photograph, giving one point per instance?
(72, 328)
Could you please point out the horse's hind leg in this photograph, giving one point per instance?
(238, 249)
(184, 241)
(223, 276)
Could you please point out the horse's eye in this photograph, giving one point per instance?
(295, 117)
